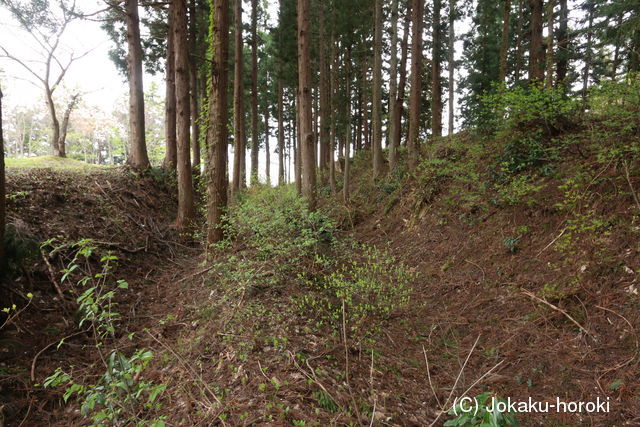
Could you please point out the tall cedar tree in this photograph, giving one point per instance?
(218, 133)
(393, 86)
(195, 87)
(414, 96)
(504, 48)
(307, 156)
(403, 78)
(451, 63)
(138, 157)
(238, 102)
(170, 157)
(186, 208)
(536, 51)
(325, 97)
(255, 144)
(376, 110)
(436, 89)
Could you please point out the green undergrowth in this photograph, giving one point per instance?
(286, 289)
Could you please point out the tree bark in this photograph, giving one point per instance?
(436, 88)
(504, 48)
(138, 158)
(347, 140)
(550, 55)
(517, 69)
(333, 88)
(536, 53)
(238, 104)
(403, 77)
(563, 45)
(304, 110)
(267, 148)
(452, 65)
(281, 147)
(376, 108)
(393, 85)
(218, 133)
(55, 123)
(586, 72)
(255, 143)
(64, 127)
(170, 157)
(297, 160)
(324, 87)
(186, 208)
(195, 86)
(414, 96)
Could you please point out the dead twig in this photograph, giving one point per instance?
(558, 309)
(633, 190)
(433, 390)
(35, 358)
(455, 384)
(635, 354)
(52, 276)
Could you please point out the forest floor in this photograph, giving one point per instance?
(523, 300)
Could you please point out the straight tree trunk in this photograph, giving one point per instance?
(170, 157)
(297, 164)
(436, 89)
(304, 110)
(451, 64)
(615, 63)
(255, 142)
(218, 132)
(238, 103)
(402, 85)
(414, 96)
(333, 89)
(186, 207)
(325, 97)
(393, 85)
(550, 55)
(281, 147)
(195, 85)
(376, 108)
(536, 52)
(138, 157)
(366, 124)
(586, 72)
(347, 139)
(504, 48)
(517, 69)
(266, 143)
(563, 45)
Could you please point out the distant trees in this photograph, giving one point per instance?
(46, 25)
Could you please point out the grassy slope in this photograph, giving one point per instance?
(52, 162)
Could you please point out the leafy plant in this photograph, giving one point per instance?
(486, 416)
(368, 286)
(119, 396)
